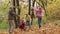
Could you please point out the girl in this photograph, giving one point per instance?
(21, 25)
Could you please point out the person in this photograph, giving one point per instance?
(11, 15)
(32, 16)
(24, 19)
(22, 25)
(38, 14)
(28, 20)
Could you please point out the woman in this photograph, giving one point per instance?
(39, 15)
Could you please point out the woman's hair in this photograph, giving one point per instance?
(39, 8)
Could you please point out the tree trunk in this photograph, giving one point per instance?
(29, 6)
(32, 11)
(43, 7)
(18, 21)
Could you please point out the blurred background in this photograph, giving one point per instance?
(51, 11)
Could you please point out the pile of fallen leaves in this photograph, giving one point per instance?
(49, 28)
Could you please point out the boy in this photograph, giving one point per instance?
(28, 20)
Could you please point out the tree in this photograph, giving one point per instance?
(32, 16)
(17, 2)
(29, 6)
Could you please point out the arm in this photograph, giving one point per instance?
(13, 13)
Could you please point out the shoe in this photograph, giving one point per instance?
(39, 26)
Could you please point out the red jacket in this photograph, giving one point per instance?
(22, 25)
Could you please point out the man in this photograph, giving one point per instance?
(11, 15)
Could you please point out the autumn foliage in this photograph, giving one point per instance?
(50, 28)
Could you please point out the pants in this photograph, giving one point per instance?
(28, 24)
(32, 21)
(39, 21)
(11, 26)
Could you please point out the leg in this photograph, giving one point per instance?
(11, 26)
(29, 24)
(26, 23)
(32, 21)
(39, 22)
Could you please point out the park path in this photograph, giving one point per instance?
(48, 28)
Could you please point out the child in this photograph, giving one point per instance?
(21, 25)
(28, 20)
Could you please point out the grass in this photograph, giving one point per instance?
(4, 25)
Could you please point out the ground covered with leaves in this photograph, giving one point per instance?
(49, 28)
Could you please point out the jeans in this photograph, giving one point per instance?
(39, 21)
(28, 24)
